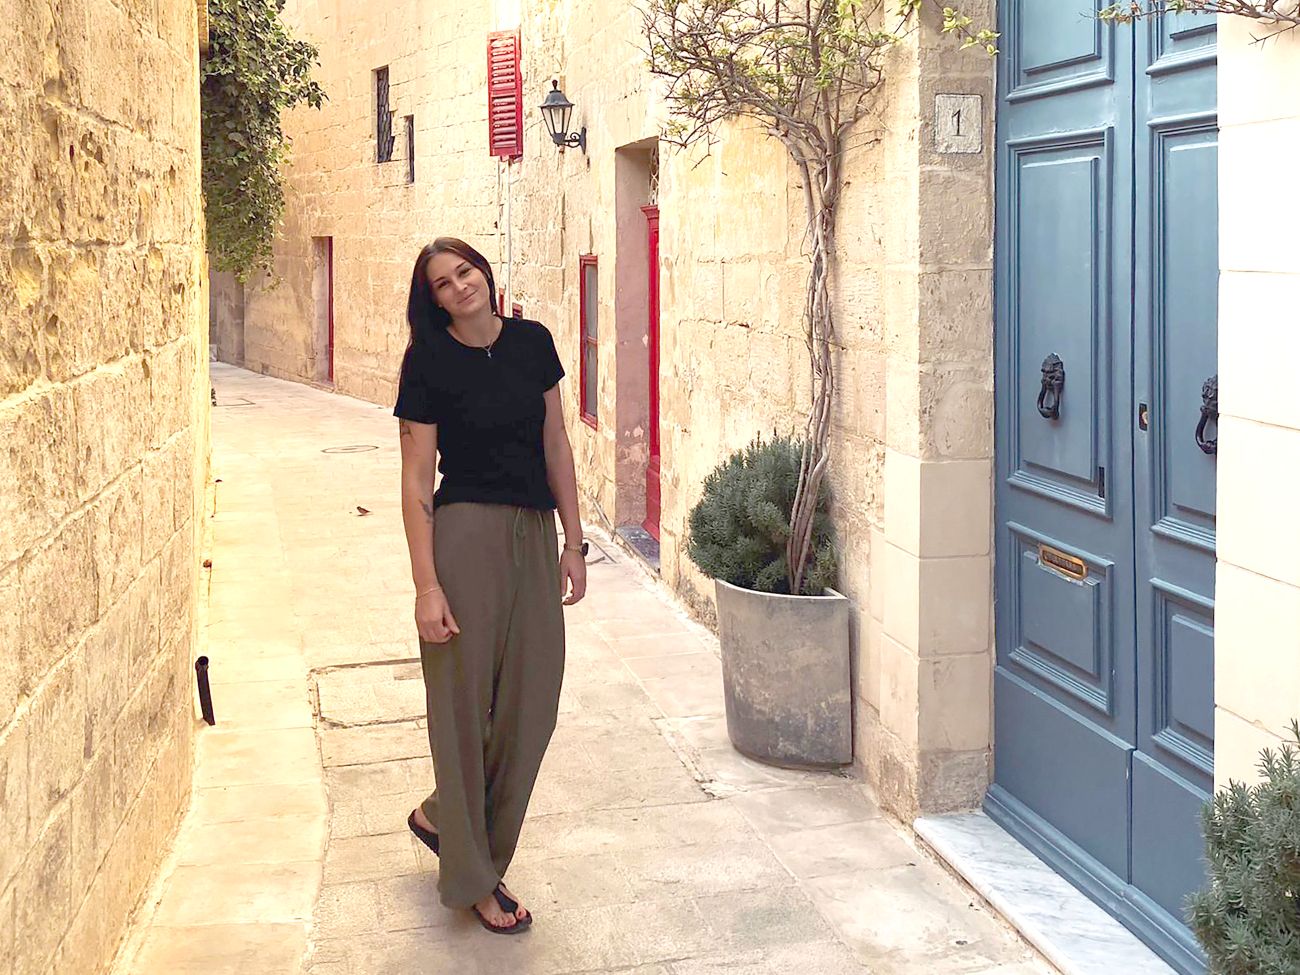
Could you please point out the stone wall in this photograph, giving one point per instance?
(733, 364)
(225, 317)
(103, 447)
(376, 219)
(1257, 599)
(929, 654)
(914, 313)
(913, 438)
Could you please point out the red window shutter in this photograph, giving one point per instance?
(505, 95)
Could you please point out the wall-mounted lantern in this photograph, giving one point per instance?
(557, 110)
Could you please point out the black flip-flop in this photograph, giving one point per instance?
(426, 837)
(509, 906)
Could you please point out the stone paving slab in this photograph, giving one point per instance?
(651, 847)
(368, 744)
(207, 949)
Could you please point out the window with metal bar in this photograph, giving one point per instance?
(588, 305)
(410, 148)
(384, 137)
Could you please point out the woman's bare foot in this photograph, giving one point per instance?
(422, 821)
(492, 913)
(522, 913)
(488, 908)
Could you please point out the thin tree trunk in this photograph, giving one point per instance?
(821, 331)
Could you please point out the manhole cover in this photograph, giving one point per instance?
(356, 448)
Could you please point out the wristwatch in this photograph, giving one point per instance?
(584, 548)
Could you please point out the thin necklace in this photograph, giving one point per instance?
(488, 348)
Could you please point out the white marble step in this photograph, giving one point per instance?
(1072, 932)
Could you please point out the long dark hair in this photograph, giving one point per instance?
(422, 312)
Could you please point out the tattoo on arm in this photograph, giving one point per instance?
(404, 429)
(428, 509)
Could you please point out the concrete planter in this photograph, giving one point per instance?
(785, 675)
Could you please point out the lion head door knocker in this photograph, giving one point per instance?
(1049, 398)
(1209, 414)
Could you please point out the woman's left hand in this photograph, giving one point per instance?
(573, 576)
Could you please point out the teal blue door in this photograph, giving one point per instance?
(1107, 290)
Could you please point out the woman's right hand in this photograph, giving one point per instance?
(433, 618)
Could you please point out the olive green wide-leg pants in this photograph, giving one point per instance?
(493, 691)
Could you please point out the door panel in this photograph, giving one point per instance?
(1064, 708)
(1049, 54)
(1181, 701)
(1062, 630)
(1059, 230)
(1176, 351)
(1167, 847)
(1182, 308)
(1176, 38)
(1084, 799)
(1107, 257)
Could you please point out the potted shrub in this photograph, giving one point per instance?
(1248, 917)
(785, 655)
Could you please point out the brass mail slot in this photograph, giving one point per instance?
(1067, 565)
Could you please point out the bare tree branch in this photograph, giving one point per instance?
(808, 71)
(1283, 14)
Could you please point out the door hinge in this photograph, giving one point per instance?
(1101, 482)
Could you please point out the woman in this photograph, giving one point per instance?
(482, 391)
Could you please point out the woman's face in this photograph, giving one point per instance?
(458, 286)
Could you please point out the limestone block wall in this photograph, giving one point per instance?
(103, 447)
(1257, 645)
(225, 317)
(732, 358)
(376, 219)
(929, 649)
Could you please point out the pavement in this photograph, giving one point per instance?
(651, 846)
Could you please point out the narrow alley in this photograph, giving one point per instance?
(651, 845)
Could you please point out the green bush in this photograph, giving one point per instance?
(1248, 918)
(739, 528)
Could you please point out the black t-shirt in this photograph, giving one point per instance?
(489, 411)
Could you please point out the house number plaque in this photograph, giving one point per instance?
(958, 123)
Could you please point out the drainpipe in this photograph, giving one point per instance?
(510, 250)
(205, 692)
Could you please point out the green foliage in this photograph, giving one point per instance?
(740, 526)
(255, 71)
(1266, 11)
(1248, 918)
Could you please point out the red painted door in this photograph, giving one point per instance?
(652, 493)
(329, 257)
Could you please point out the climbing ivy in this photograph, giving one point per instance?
(255, 70)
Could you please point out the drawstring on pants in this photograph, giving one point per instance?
(516, 548)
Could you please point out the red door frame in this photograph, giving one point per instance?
(329, 265)
(653, 484)
(586, 410)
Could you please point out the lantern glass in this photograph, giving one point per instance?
(557, 110)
